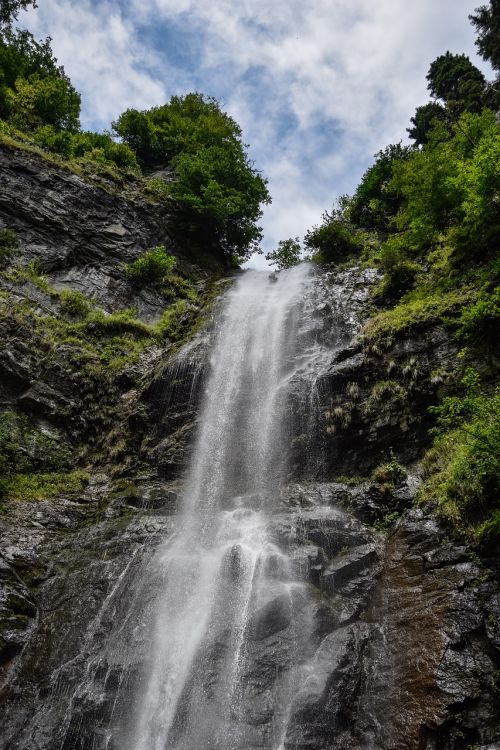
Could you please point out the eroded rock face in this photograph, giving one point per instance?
(402, 626)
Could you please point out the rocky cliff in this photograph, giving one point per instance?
(406, 619)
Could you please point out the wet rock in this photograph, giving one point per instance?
(347, 566)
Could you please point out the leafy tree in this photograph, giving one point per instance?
(423, 121)
(182, 125)
(288, 254)
(336, 239)
(486, 19)
(9, 9)
(36, 101)
(455, 80)
(448, 191)
(216, 193)
(24, 64)
(376, 200)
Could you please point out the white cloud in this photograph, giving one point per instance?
(318, 87)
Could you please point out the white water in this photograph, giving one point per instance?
(223, 566)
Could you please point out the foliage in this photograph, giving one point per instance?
(337, 238)
(423, 309)
(25, 451)
(153, 267)
(24, 448)
(74, 145)
(9, 9)
(455, 80)
(182, 125)
(399, 272)
(448, 190)
(74, 303)
(287, 254)
(479, 323)
(486, 19)
(463, 466)
(36, 101)
(216, 192)
(377, 198)
(424, 120)
(34, 90)
(9, 246)
(390, 474)
(175, 320)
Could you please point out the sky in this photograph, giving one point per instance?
(318, 86)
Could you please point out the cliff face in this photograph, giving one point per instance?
(406, 620)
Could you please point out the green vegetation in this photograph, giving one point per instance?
(389, 475)
(153, 267)
(216, 192)
(34, 90)
(34, 464)
(287, 254)
(428, 217)
(43, 486)
(486, 19)
(213, 195)
(74, 304)
(462, 469)
(9, 246)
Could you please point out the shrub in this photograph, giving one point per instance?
(334, 240)
(463, 466)
(153, 267)
(479, 322)
(175, 320)
(391, 473)
(95, 146)
(74, 303)
(36, 101)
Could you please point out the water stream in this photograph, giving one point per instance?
(224, 578)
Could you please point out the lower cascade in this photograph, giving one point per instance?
(225, 583)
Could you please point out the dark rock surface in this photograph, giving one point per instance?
(403, 625)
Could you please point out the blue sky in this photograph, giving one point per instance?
(318, 86)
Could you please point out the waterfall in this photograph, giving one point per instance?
(225, 581)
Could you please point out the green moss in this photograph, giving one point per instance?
(387, 522)
(42, 486)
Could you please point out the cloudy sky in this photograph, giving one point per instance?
(318, 86)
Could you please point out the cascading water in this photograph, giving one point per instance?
(223, 575)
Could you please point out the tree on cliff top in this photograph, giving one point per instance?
(216, 194)
(455, 80)
(486, 19)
